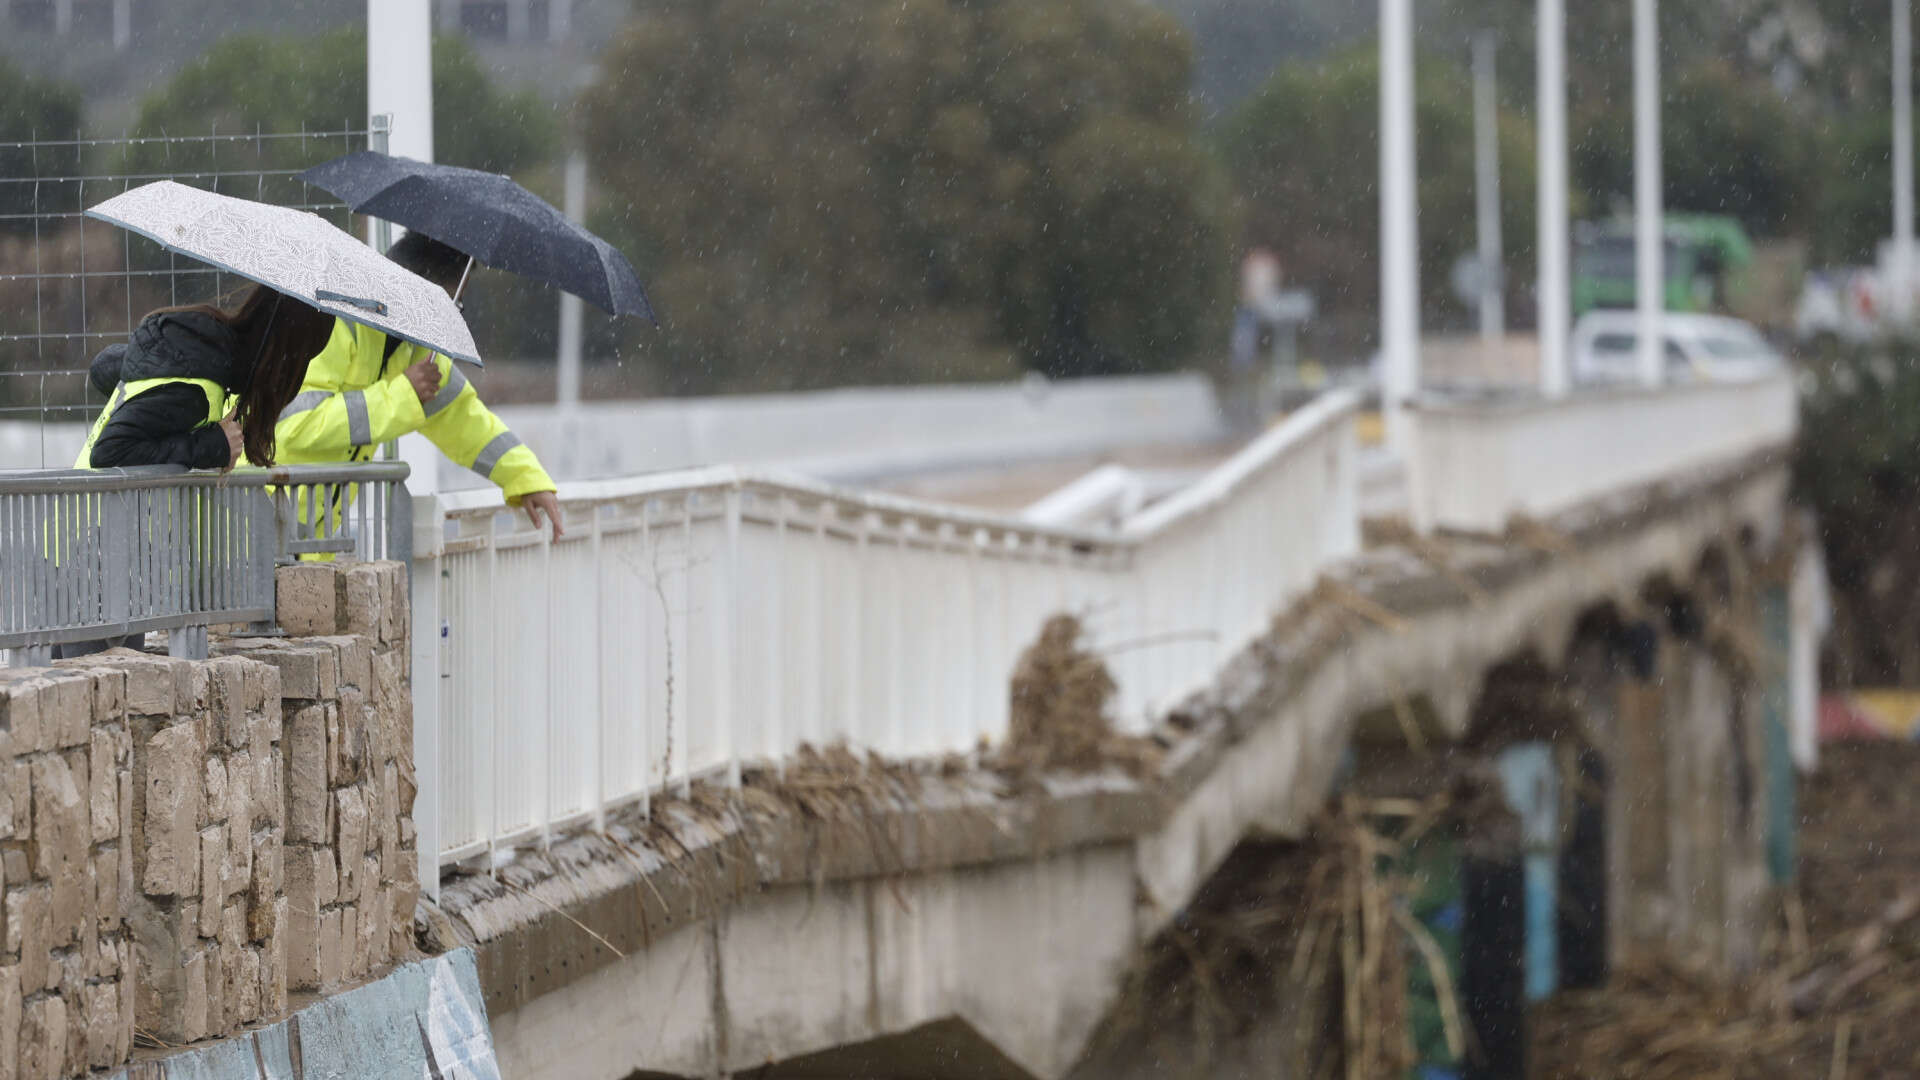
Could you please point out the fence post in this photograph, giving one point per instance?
(423, 593)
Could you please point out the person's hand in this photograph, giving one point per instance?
(544, 503)
(425, 377)
(231, 429)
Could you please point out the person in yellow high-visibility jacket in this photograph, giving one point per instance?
(364, 389)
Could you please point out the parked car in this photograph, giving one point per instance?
(1697, 347)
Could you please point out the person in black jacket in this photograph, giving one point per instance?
(197, 385)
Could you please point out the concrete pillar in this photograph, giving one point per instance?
(447, 16)
(1554, 298)
(63, 17)
(1648, 209)
(122, 25)
(567, 393)
(518, 19)
(1399, 224)
(559, 20)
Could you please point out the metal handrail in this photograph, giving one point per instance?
(90, 554)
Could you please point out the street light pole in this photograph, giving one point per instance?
(1486, 169)
(1554, 298)
(1648, 213)
(1399, 258)
(1901, 306)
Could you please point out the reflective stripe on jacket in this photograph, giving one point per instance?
(216, 408)
(355, 397)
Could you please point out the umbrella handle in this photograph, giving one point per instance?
(378, 307)
(462, 287)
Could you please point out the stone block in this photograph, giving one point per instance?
(305, 751)
(193, 1004)
(300, 934)
(214, 782)
(228, 675)
(213, 853)
(360, 589)
(152, 684)
(243, 985)
(20, 711)
(173, 800)
(61, 843)
(29, 928)
(43, 1039)
(233, 924)
(273, 969)
(347, 740)
(123, 1043)
(68, 972)
(339, 965)
(397, 604)
(240, 795)
(306, 673)
(104, 766)
(312, 882)
(14, 859)
(109, 695)
(350, 839)
(66, 709)
(306, 603)
(265, 887)
(255, 696)
(200, 689)
(355, 659)
(100, 1012)
(10, 1020)
(109, 893)
(104, 962)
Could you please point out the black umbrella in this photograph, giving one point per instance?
(488, 217)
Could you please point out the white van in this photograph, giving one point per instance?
(1605, 348)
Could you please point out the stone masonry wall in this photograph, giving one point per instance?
(182, 843)
(351, 872)
(66, 986)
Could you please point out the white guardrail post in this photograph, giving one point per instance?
(428, 665)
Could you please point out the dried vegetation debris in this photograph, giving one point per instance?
(1839, 993)
(1303, 947)
(1058, 711)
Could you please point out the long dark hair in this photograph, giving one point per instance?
(278, 335)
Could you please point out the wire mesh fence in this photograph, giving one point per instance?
(70, 285)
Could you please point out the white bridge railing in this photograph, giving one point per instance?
(695, 621)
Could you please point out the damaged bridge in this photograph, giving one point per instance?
(771, 809)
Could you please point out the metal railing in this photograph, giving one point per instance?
(694, 622)
(98, 554)
(70, 285)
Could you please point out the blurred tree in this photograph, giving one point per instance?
(824, 192)
(1304, 152)
(282, 85)
(1857, 464)
(1730, 146)
(35, 109)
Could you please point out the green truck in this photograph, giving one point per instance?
(1707, 256)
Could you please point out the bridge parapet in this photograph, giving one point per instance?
(694, 621)
(1477, 462)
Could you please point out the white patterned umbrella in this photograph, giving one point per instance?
(297, 253)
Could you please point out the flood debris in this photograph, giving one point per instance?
(1838, 991)
(1297, 952)
(1058, 712)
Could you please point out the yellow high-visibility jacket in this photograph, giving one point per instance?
(216, 408)
(354, 398)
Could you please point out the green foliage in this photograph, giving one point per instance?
(1858, 466)
(249, 82)
(1304, 152)
(1728, 147)
(35, 109)
(830, 191)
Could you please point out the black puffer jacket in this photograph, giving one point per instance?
(166, 425)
